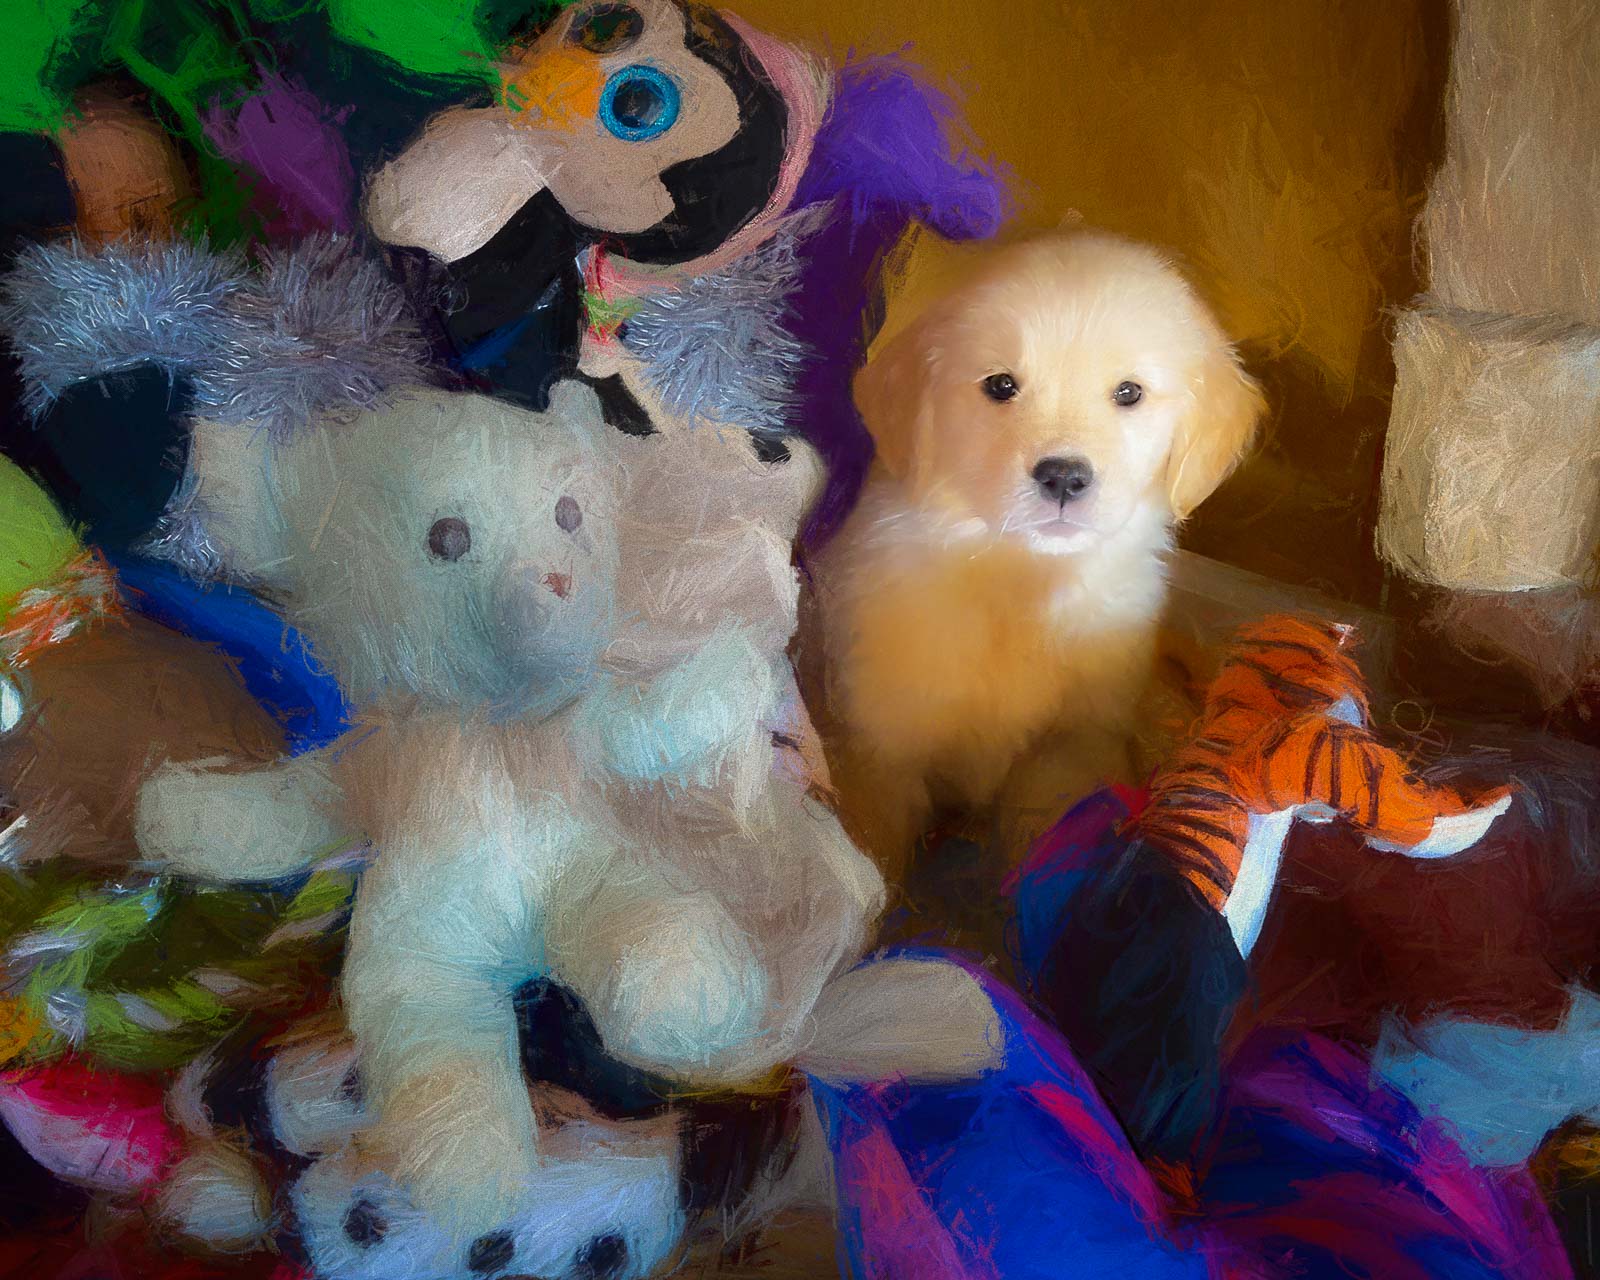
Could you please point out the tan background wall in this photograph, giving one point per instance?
(1280, 147)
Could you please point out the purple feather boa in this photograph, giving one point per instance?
(888, 155)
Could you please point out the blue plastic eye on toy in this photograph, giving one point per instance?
(639, 103)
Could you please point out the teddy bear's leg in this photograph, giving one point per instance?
(436, 949)
(707, 961)
(669, 977)
(831, 895)
(240, 825)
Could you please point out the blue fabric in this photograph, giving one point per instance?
(1018, 1191)
(1069, 858)
(1311, 1168)
(275, 662)
(494, 350)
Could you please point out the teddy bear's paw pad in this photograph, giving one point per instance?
(603, 1258)
(604, 1204)
(365, 1225)
(490, 1254)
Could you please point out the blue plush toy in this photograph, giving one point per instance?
(1019, 1171)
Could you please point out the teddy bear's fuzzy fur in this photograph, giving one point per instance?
(511, 783)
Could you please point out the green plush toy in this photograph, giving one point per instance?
(190, 56)
(185, 52)
(144, 976)
(36, 543)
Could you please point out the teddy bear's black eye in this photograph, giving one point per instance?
(1001, 387)
(449, 539)
(1127, 393)
(568, 514)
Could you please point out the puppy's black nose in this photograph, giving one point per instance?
(603, 1258)
(1063, 479)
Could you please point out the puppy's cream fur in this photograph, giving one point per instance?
(967, 621)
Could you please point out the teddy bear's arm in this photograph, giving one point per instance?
(683, 725)
(238, 825)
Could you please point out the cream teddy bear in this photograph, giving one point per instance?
(456, 562)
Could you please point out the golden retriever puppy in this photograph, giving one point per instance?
(987, 616)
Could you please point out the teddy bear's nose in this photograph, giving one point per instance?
(525, 603)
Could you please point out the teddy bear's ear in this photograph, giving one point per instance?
(234, 499)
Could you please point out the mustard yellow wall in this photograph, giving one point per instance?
(1280, 147)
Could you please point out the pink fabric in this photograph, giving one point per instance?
(1117, 1166)
(100, 1130)
(908, 1239)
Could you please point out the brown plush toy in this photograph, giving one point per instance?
(92, 696)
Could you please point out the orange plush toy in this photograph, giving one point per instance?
(1142, 910)
(1286, 735)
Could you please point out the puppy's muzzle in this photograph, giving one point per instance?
(1063, 480)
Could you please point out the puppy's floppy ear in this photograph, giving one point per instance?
(1225, 410)
(892, 395)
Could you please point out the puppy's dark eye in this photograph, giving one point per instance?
(568, 514)
(449, 539)
(1001, 387)
(606, 28)
(1127, 393)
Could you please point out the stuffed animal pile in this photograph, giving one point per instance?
(416, 858)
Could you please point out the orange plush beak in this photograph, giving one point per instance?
(553, 89)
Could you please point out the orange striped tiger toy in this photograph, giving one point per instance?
(1285, 734)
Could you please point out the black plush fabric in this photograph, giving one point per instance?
(561, 1047)
(110, 450)
(1143, 980)
(36, 203)
(32, 1195)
